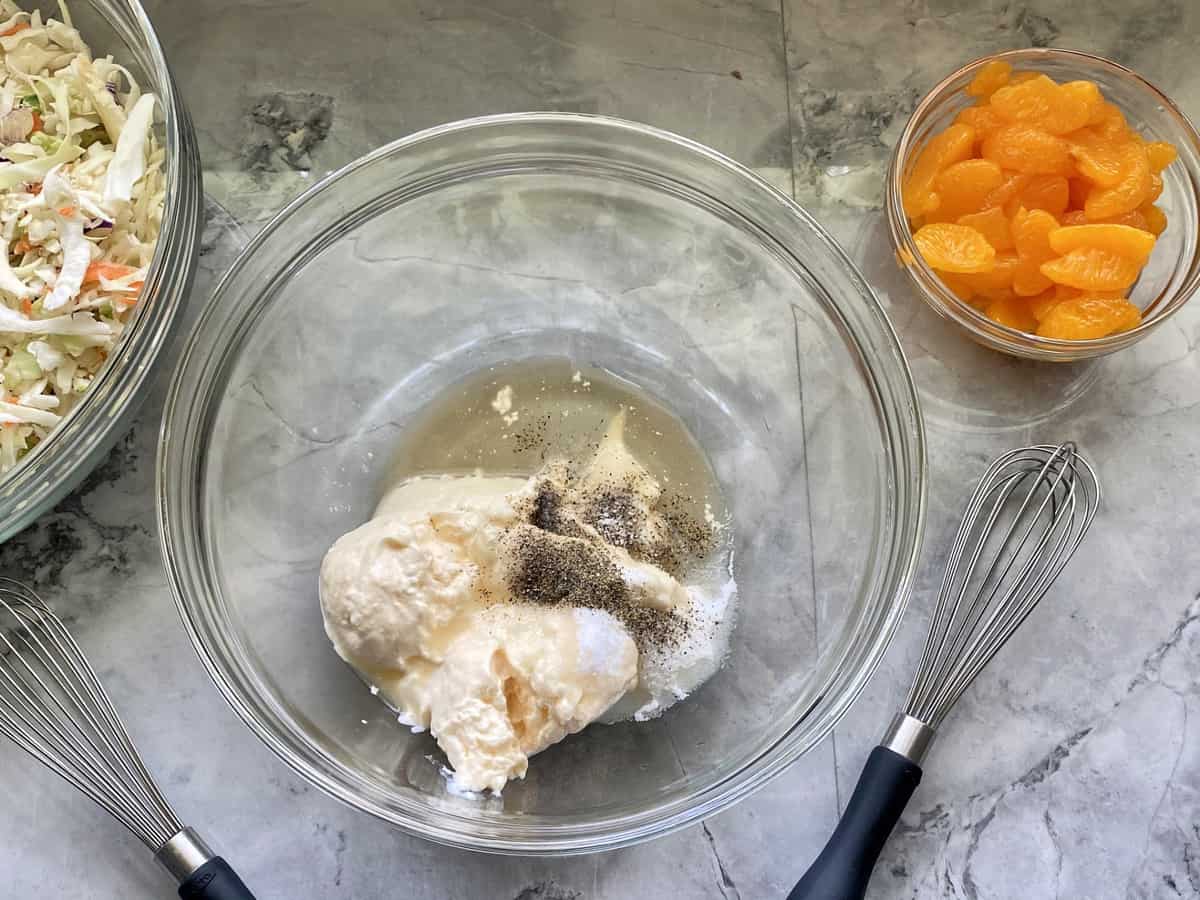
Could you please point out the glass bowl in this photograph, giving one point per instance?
(59, 463)
(515, 237)
(1173, 273)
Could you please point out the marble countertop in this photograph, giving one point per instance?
(1071, 769)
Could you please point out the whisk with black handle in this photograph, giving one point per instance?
(1022, 524)
(53, 706)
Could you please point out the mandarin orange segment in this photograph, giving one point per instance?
(1048, 192)
(1028, 100)
(1156, 188)
(1063, 292)
(951, 146)
(1042, 303)
(1013, 312)
(1123, 240)
(1092, 269)
(959, 285)
(1077, 191)
(1031, 236)
(982, 118)
(1042, 104)
(1134, 219)
(1161, 154)
(963, 187)
(993, 225)
(950, 247)
(1027, 149)
(1089, 318)
(997, 281)
(1028, 280)
(1129, 193)
(1031, 232)
(1013, 183)
(1085, 95)
(1097, 160)
(1156, 219)
(1110, 122)
(990, 77)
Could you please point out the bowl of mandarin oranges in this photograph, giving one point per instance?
(1048, 201)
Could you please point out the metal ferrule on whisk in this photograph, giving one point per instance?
(183, 854)
(908, 736)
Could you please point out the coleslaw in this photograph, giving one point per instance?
(81, 200)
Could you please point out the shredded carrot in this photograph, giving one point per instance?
(27, 306)
(38, 125)
(100, 269)
(125, 302)
(20, 26)
(66, 210)
(35, 188)
(22, 246)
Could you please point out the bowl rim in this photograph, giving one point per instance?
(178, 488)
(60, 461)
(943, 301)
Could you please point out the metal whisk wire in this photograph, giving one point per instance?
(53, 706)
(1027, 515)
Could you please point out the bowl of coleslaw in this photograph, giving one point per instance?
(100, 214)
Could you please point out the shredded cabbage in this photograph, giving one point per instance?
(76, 252)
(48, 358)
(9, 282)
(110, 113)
(27, 414)
(129, 159)
(81, 199)
(77, 323)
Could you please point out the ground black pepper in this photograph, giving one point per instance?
(561, 552)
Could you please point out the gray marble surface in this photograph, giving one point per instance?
(1072, 768)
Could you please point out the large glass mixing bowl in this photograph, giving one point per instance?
(524, 236)
(57, 464)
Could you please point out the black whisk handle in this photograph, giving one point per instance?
(215, 880)
(844, 867)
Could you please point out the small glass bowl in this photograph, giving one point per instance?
(1173, 273)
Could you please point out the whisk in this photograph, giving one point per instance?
(1022, 524)
(53, 706)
